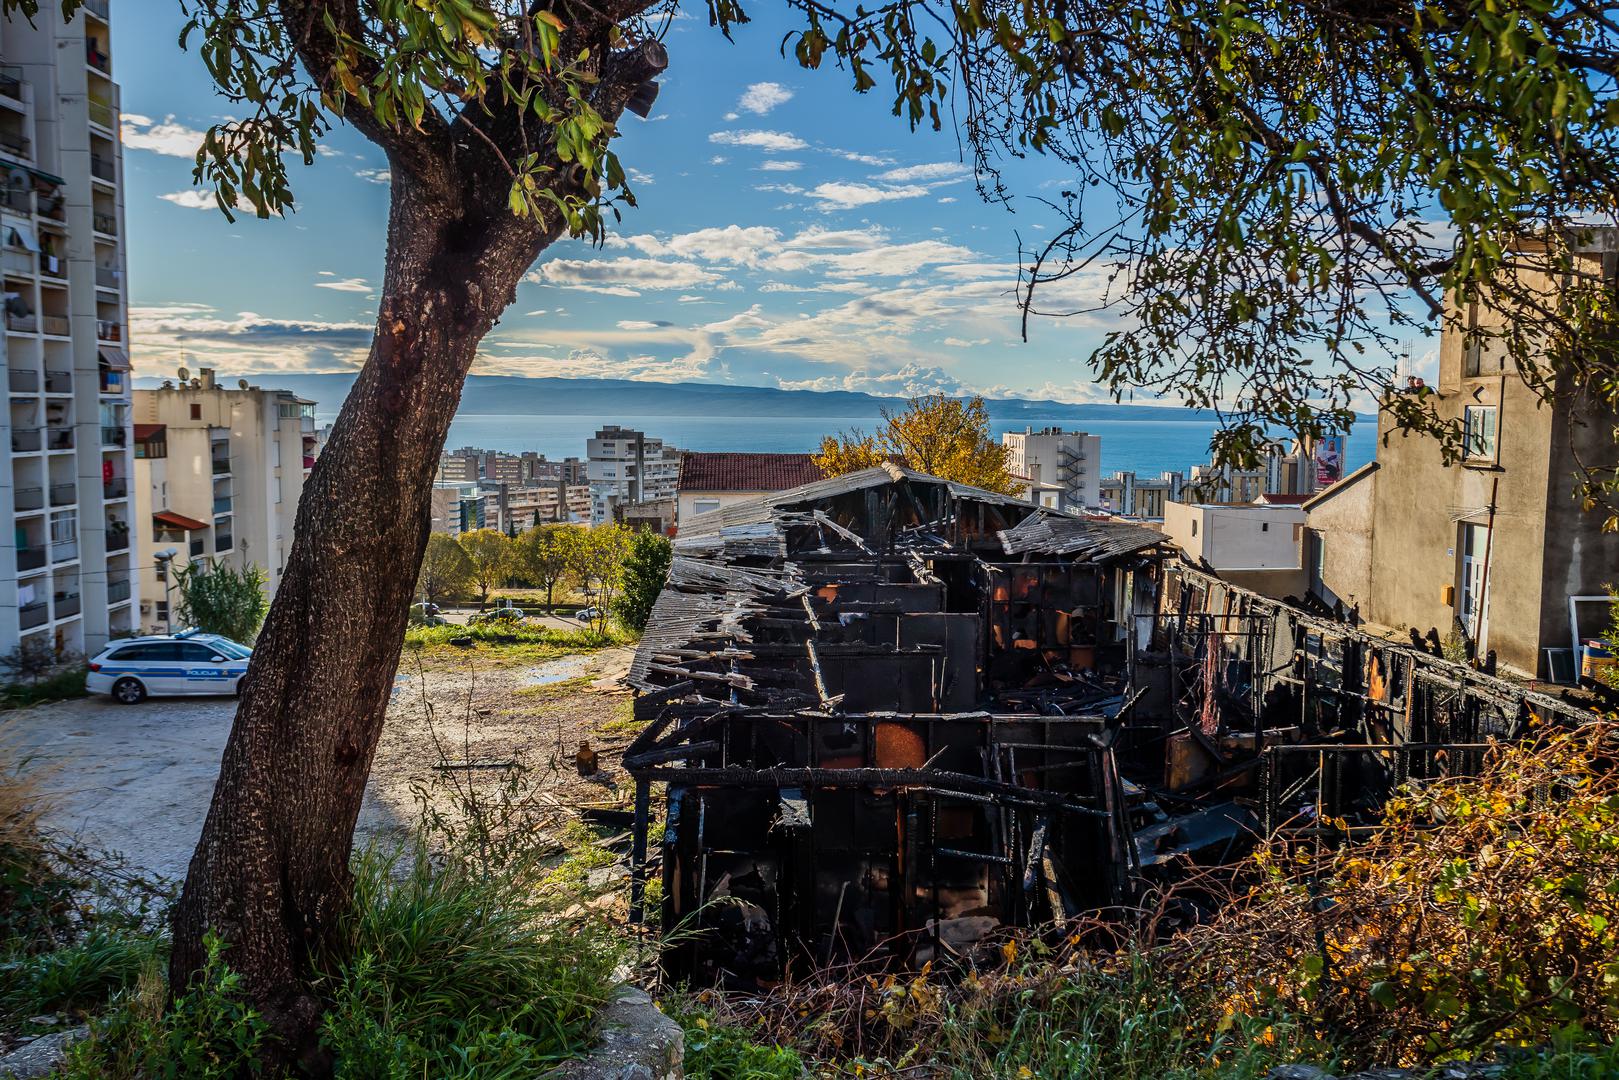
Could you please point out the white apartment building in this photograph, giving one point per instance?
(220, 472)
(1063, 467)
(66, 575)
(626, 467)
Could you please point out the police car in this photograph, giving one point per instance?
(185, 663)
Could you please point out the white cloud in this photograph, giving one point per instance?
(638, 177)
(197, 199)
(761, 97)
(947, 200)
(621, 276)
(732, 116)
(718, 159)
(352, 284)
(863, 159)
(160, 137)
(642, 324)
(847, 196)
(780, 165)
(375, 176)
(962, 343)
(771, 142)
(942, 170)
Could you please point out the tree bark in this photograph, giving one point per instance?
(270, 875)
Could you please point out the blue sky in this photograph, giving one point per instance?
(789, 233)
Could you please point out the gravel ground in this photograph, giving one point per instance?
(137, 779)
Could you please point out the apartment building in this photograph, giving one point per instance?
(1063, 468)
(66, 575)
(457, 507)
(470, 465)
(1493, 546)
(1128, 495)
(515, 508)
(220, 472)
(625, 466)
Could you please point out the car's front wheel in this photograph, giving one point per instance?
(128, 692)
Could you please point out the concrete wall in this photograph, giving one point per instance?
(688, 500)
(1338, 543)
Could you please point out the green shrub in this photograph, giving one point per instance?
(209, 1032)
(583, 639)
(716, 1051)
(453, 972)
(78, 977)
(65, 684)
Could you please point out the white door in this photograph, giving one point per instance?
(1473, 609)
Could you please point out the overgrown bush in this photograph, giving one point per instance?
(646, 568)
(1483, 911)
(521, 633)
(81, 976)
(209, 1032)
(220, 599)
(64, 685)
(452, 971)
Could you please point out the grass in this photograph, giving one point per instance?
(457, 973)
(79, 977)
(62, 686)
(559, 642)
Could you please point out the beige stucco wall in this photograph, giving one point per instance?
(1340, 526)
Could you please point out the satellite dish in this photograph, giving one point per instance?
(196, 384)
(184, 373)
(241, 384)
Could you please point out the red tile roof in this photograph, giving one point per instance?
(1286, 500)
(148, 431)
(746, 472)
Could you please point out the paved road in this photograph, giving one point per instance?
(135, 779)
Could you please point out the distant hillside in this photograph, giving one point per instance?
(509, 394)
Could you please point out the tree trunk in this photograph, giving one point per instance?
(270, 875)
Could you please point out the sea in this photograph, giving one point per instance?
(1147, 447)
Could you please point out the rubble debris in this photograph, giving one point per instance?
(895, 713)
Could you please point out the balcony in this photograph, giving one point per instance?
(102, 63)
(14, 260)
(98, 8)
(58, 382)
(32, 615)
(19, 199)
(102, 169)
(106, 224)
(30, 558)
(23, 324)
(114, 436)
(11, 82)
(23, 381)
(64, 551)
(16, 144)
(117, 591)
(115, 488)
(309, 462)
(29, 498)
(221, 466)
(112, 382)
(117, 541)
(64, 494)
(107, 277)
(222, 542)
(67, 605)
(108, 330)
(53, 206)
(55, 325)
(25, 440)
(222, 505)
(59, 438)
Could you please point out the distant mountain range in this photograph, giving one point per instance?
(516, 395)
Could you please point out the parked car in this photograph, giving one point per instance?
(588, 614)
(497, 616)
(427, 614)
(131, 669)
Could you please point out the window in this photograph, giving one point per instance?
(705, 506)
(193, 653)
(1479, 421)
(132, 652)
(1264, 526)
(160, 610)
(1194, 526)
(278, 489)
(196, 410)
(275, 454)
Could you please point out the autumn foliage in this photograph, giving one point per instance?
(937, 435)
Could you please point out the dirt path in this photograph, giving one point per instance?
(138, 779)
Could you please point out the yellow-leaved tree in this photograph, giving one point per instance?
(938, 435)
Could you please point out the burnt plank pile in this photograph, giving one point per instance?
(893, 714)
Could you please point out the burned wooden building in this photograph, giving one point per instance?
(895, 713)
